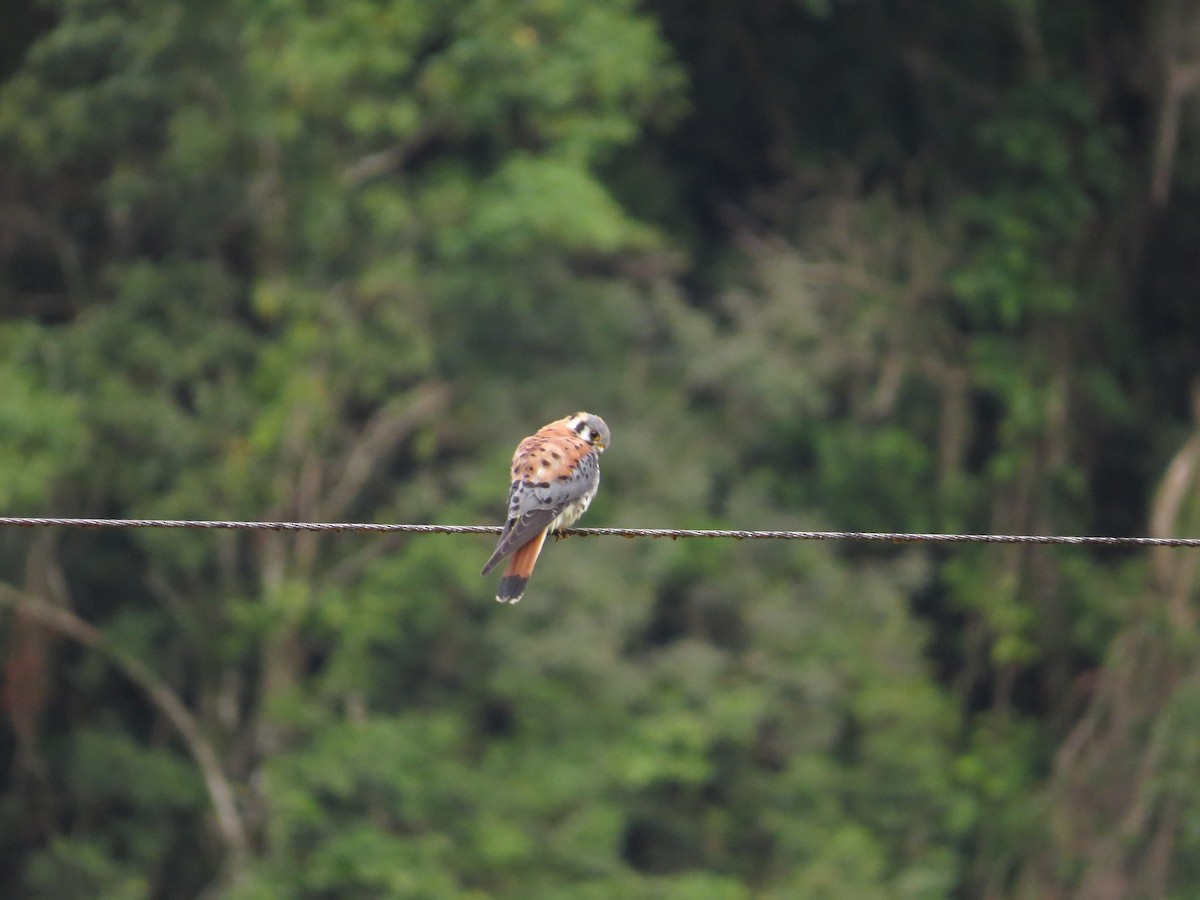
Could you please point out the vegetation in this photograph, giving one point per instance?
(819, 263)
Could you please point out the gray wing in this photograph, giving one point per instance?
(532, 507)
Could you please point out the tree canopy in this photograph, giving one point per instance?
(819, 264)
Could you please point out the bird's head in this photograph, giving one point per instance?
(591, 428)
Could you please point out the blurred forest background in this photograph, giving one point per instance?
(849, 264)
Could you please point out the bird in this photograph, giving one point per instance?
(555, 474)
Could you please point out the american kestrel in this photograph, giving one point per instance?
(555, 474)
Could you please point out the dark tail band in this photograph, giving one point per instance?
(512, 588)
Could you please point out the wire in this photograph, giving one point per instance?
(672, 533)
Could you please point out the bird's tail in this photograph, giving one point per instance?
(520, 567)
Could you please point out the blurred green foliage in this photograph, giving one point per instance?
(818, 263)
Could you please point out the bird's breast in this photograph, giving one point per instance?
(572, 511)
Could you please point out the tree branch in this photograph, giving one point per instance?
(386, 429)
(220, 791)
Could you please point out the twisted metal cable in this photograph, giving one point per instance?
(672, 533)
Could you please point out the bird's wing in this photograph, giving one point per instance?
(518, 532)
